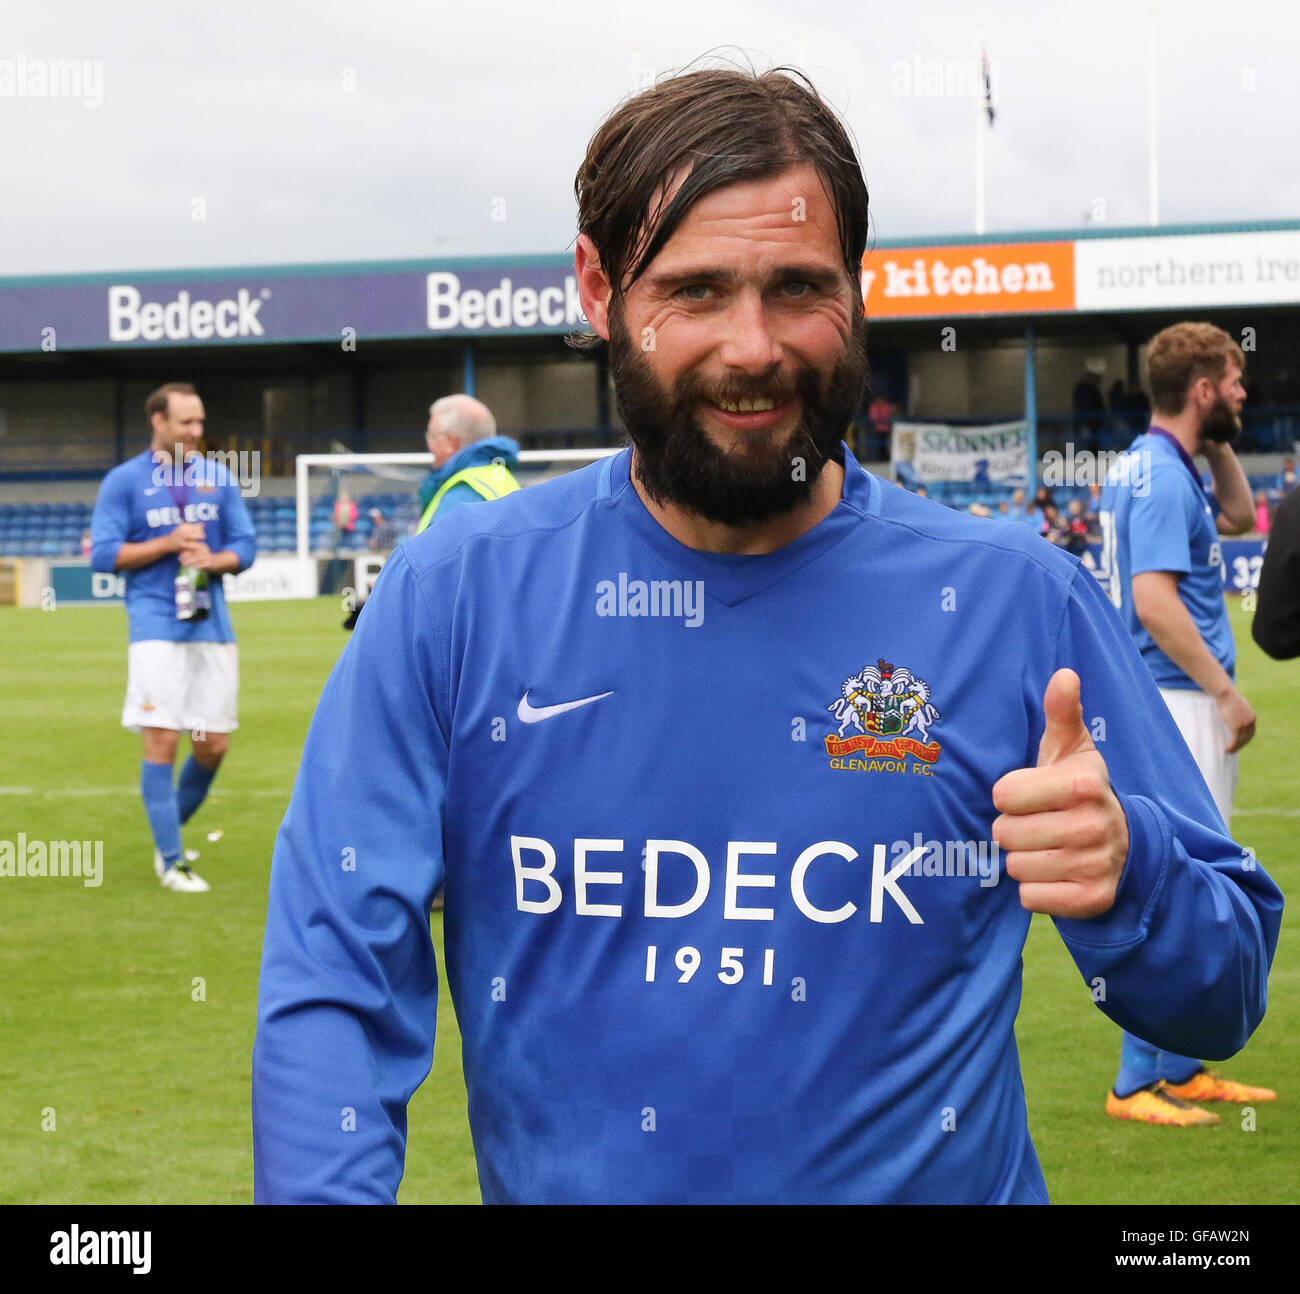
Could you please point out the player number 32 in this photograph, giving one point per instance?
(688, 959)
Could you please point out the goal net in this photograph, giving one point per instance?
(354, 504)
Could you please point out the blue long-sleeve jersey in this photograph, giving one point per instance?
(147, 497)
(723, 918)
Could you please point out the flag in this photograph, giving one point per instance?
(988, 85)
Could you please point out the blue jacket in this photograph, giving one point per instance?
(479, 454)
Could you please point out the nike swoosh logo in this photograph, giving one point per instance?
(535, 714)
(155, 490)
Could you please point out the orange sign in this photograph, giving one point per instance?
(982, 278)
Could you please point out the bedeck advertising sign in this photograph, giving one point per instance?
(291, 304)
(348, 304)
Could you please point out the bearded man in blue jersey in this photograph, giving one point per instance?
(744, 769)
(1162, 561)
(174, 524)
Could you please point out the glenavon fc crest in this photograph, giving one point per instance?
(884, 717)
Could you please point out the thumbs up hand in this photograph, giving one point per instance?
(1062, 829)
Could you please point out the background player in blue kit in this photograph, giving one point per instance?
(1163, 565)
(159, 515)
(669, 728)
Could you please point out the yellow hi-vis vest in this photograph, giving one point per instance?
(491, 481)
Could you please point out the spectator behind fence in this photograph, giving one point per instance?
(345, 518)
(383, 534)
(1092, 510)
(1138, 406)
(1286, 396)
(1262, 515)
(1043, 500)
(1053, 526)
(1088, 405)
(1028, 514)
(880, 418)
(1075, 526)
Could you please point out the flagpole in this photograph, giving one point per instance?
(1153, 154)
(980, 126)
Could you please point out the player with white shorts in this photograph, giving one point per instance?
(1162, 561)
(184, 687)
(1207, 736)
(174, 523)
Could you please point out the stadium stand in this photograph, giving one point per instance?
(55, 529)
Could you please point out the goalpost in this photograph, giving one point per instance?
(319, 477)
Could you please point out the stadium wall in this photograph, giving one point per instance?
(53, 582)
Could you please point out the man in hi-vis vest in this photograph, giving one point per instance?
(470, 461)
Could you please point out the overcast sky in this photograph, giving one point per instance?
(332, 130)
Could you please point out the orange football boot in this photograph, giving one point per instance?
(1208, 1086)
(1154, 1104)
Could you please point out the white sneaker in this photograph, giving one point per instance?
(182, 879)
(191, 856)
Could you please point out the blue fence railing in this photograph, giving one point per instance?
(73, 458)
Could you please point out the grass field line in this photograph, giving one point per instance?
(69, 791)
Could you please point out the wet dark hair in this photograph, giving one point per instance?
(716, 127)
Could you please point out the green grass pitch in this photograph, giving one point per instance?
(126, 1012)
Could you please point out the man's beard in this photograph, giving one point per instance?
(679, 465)
(1221, 425)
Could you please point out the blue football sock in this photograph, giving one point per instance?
(159, 797)
(192, 787)
(1141, 1064)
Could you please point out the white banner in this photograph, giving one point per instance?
(273, 579)
(937, 451)
(1191, 271)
